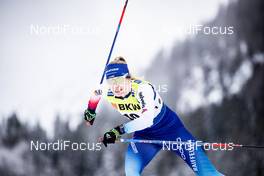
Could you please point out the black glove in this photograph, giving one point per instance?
(111, 136)
(89, 115)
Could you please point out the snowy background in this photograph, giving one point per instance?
(215, 82)
(45, 71)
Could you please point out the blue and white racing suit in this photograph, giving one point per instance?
(151, 119)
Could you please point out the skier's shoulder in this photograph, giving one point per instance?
(109, 93)
(140, 85)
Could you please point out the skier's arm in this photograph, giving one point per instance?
(90, 112)
(145, 96)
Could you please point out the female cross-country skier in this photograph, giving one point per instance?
(150, 119)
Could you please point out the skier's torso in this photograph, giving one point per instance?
(145, 108)
(133, 105)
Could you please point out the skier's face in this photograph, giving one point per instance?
(120, 86)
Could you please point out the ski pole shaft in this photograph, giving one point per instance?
(252, 146)
(113, 43)
(188, 143)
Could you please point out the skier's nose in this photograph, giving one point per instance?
(117, 88)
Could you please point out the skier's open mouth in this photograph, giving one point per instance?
(119, 91)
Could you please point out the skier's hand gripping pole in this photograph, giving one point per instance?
(89, 113)
(110, 137)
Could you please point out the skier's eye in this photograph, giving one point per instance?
(119, 80)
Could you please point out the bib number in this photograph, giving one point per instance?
(132, 116)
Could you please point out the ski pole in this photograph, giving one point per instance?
(188, 143)
(113, 43)
(94, 99)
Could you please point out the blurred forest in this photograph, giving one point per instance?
(231, 66)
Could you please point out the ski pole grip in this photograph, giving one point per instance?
(95, 98)
(93, 102)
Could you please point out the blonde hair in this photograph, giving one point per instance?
(121, 60)
(118, 60)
